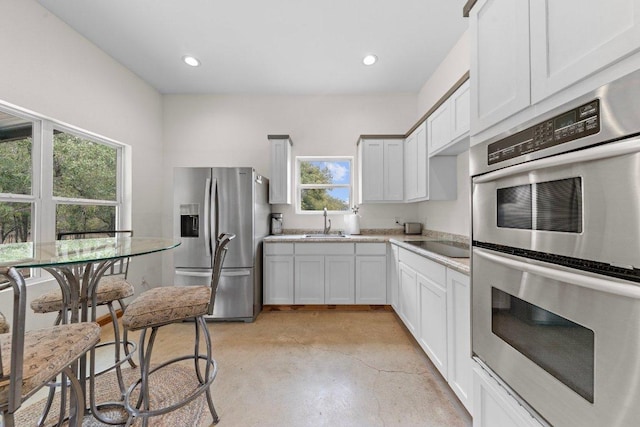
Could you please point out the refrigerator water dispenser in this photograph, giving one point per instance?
(189, 220)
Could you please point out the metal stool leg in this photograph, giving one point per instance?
(142, 409)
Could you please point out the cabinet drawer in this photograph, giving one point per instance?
(371, 248)
(426, 267)
(324, 248)
(278, 248)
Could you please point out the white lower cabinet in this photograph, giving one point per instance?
(433, 322)
(309, 280)
(278, 273)
(408, 297)
(338, 280)
(325, 273)
(459, 362)
(371, 273)
(434, 304)
(393, 276)
(494, 407)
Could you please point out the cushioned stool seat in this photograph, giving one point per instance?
(47, 352)
(166, 304)
(109, 289)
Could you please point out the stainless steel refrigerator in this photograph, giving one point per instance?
(210, 201)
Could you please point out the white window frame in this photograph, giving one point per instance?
(300, 186)
(43, 219)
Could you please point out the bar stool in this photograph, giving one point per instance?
(172, 304)
(30, 360)
(113, 287)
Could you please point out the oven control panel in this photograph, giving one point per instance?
(568, 126)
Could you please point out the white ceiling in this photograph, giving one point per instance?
(271, 46)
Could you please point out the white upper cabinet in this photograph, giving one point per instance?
(393, 171)
(460, 102)
(499, 61)
(280, 179)
(439, 125)
(448, 125)
(416, 174)
(381, 170)
(545, 53)
(572, 39)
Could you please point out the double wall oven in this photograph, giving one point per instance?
(556, 259)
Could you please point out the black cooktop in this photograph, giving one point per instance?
(443, 247)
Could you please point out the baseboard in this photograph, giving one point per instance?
(106, 319)
(322, 307)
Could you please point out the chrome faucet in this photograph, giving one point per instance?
(326, 229)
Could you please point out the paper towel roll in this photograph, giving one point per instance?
(352, 224)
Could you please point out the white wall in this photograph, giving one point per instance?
(227, 130)
(51, 70)
(455, 65)
(449, 216)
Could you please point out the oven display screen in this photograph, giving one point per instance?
(565, 120)
(559, 346)
(549, 206)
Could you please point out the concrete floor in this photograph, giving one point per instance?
(317, 368)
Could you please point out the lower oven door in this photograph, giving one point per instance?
(567, 342)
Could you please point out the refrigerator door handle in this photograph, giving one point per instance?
(192, 273)
(236, 273)
(214, 209)
(207, 212)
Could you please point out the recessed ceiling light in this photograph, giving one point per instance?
(190, 60)
(369, 60)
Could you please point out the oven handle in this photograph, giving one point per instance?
(595, 283)
(594, 153)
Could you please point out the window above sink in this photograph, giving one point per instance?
(324, 182)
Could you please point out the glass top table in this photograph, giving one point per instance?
(78, 266)
(81, 251)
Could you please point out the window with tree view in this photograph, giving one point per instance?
(324, 182)
(16, 199)
(47, 169)
(84, 183)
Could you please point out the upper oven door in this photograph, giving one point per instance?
(583, 204)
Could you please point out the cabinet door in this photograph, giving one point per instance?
(433, 322)
(494, 406)
(278, 279)
(279, 183)
(411, 167)
(393, 170)
(309, 280)
(500, 74)
(393, 277)
(422, 173)
(408, 298)
(339, 279)
(460, 114)
(439, 125)
(572, 39)
(372, 170)
(460, 367)
(371, 279)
